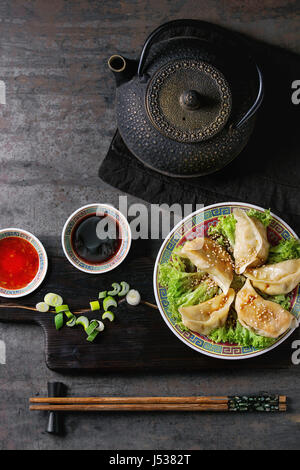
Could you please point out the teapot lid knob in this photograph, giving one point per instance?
(190, 100)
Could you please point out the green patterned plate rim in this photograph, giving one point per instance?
(197, 224)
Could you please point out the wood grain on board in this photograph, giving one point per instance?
(138, 339)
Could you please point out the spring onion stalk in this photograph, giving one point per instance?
(109, 302)
(124, 288)
(42, 307)
(71, 322)
(109, 315)
(92, 336)
(92, 326)
(62, 308)
(69, 314)
(102, 294)
(95, 305)
(133, 297)
(59, 321)
(83, 321)
(54, 300)
(71, 318)
(116, 289)
(100, 326)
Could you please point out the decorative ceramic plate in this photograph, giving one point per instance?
(43, 262)
(196, 225)
(124, 234)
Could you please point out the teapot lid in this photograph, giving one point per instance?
(188, 100)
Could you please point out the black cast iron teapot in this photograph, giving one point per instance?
(187, 107)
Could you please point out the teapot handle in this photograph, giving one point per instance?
(258, 100)
(150, 40)
(195, 23)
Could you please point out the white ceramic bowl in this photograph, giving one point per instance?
(43, 262)
(72, 222)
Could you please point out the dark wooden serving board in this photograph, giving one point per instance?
(138, 339)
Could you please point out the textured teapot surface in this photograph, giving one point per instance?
(178, 116)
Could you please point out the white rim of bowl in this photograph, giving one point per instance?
(35, 286)
(216, 356)
(129, 235)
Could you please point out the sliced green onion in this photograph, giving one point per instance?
(109, 302)
(92, 326)
(125, 288)
(42, 307)
(62, 308)
(59, 321)
(102, 294)
(133, 297)
(92, 336)
(71, 322)
(54, 300)
(83, 321)
(100, 326)
(69, 314)
(116, 290)
(109, 315)
(95, 305)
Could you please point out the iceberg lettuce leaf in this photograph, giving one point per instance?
(184, 288)
(265, 217)
(240, 335)
(225, 228)
(284, 300)
(285, 250)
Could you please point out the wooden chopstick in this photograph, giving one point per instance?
(130, 400)
(130, 404)
(156, 404)
(133, 407)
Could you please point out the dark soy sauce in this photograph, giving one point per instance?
(96, 243)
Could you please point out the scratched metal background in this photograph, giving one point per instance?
(54, 131)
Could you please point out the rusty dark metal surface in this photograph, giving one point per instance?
(54, 130)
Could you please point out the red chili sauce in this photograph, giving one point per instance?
(19, 263)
